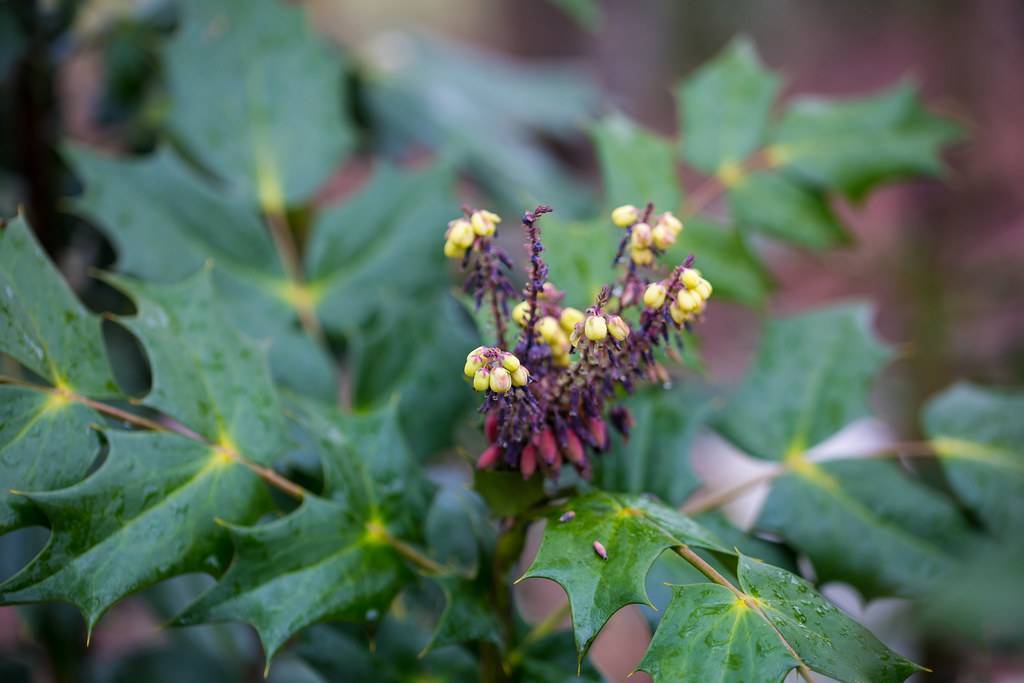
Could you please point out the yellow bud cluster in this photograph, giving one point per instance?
(553, 331)
(654, 295)
(598, 327)
(692, 299)
(625, 215)
(494, 369)
(463, 232)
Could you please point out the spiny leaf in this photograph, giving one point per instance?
(866, 523)
(854, 145)
(259, 97)
(468, 614)
(332, 557)
(979, 437)
(777, 205)
(810, 379)
(735, 643)
(576, 258)
(725, 107)
(42, 324)
(633, 531)
(745, 638)
(636, 166)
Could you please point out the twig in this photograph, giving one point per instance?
(284, 243)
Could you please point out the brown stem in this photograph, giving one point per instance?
(698, 563)
(284, 243)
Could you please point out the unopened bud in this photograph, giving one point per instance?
(473, 363)
(570, 316)
(481, 380)
(500, 380)
(654, 295)
(669, 220)
(595, 328)
(521, 313)
(573, 448)
(482, 223)
(491, 426)
(460, 231)
(520, 376)
(528, 461)
(618, 327)
(546, 446)
(704, 289)
(549, 329)
(690, 278)
(489, 458)
(625, 216)
(641, 257)
(598, 432)
(662, 237)
(678, 316)
(642, 236)
(510, 362)
(453, 251)
(687, 302)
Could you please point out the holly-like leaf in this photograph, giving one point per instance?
(811, 378)
(779, 622)
(258, 97)
(725, 106)
(722, 255)
(636, 166)
(854, 145)
(866, 523)
(656, 457)
(332, 558)
(979, 437)
(778, 205)
(632, 530)
(42, 325)
(579, 256)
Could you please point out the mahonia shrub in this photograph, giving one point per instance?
(278, 396)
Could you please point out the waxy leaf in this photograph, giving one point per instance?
(979, 436)
(778, 205)
(258, 96)
(632, 530)
(332, 558)
(866, 523)
(810, 379)
(725, 106)
(854, 145)
(636, 166)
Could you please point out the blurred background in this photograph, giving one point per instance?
(942, 259)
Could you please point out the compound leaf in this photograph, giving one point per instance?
(633, 530)
(778, 205)
(636, 166)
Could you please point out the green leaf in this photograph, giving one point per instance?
(725, 106)
(777, 205)
(258, 97)
(866, 523)
(724, 258)
(811, 378)
(980, 440)
(656, 457)
(507, 493)
(42, 325)
(552, 660)
(736, 644)
(579, 256)
(331, 558)
(747, 641)
(636, 166)
(634, 531)
(110, 539)
(855, 145)
(468, 614)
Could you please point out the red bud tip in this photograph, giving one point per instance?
(547, 447)
(528, 461)
(489, 458)
(573, 448)
(599, 549)
(598, 431)
(491, 426)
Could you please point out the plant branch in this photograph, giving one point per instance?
(284, 243)
(701, 565)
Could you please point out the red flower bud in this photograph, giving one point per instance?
(598, 432)
(573, 447)
(491, 426)
(528, 461)
(489, 458)
(547, 446)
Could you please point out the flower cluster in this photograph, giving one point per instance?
(547, 398)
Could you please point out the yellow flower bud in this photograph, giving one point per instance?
(662, 237)
(673, 224)
(654, 295)
(641, 237)
(548, 328)
(482, 224)
(561, 360)
(521, 313)
(595, 328)
(618, 327)
(687, 302)
(704, 289)
(642, 257)
(677, 315)
(570, 316)
(625, 215)
(510, 362)
(560, 344)
(690, 278)
(452, 250)
(520, 376)
(473, 363)
(500, 381)
(481, 380)
(461, 233)
(491, 216)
